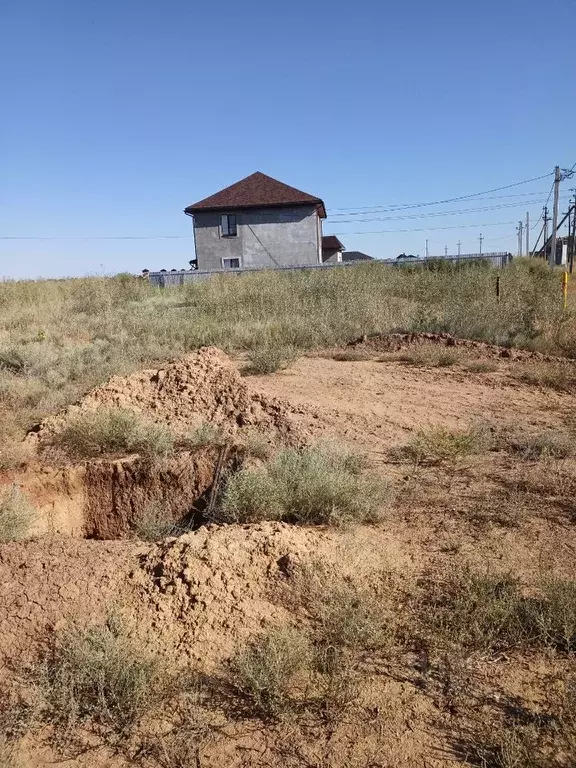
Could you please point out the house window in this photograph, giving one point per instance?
(228, 225)
(231, 263)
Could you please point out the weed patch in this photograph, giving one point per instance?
(112, 431)
(543, 445)
(437, 445)
(101, 676)
(266, 360)
(265, 672)
(153, 523)
(17, 515)
(307, 486)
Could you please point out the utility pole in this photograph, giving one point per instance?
(445, 250)
(527, 233)
(426, 247)
(520, 237)
(459, 247)
(572, 241)
(545, 219)
(557, 180)
(481, 240)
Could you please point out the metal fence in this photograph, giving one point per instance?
(176, 278)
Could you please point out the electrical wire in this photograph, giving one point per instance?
(428, 229)
(462, 197)
(440, 213)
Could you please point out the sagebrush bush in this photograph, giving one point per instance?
(487, 612)
(17, 514)
(314, 485)
(102, 676)
(266, 671)
(112, 431)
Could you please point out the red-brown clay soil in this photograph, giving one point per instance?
(196, 598)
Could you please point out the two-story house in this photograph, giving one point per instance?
(258, 222)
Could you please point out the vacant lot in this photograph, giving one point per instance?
(358, 552)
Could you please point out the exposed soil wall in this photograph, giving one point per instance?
(118, 492)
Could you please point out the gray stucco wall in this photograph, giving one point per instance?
(331, 255)
(267, 237)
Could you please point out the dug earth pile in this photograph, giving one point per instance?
(102, 498)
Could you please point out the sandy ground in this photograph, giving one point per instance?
(196, 598)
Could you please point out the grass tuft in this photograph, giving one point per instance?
(101, 676)
(266, 360)
(17, 514)
(112, 432)
(152, 523)
(265, 672)
(436, 445)
(316, 486)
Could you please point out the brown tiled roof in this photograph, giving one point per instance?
(331, 241)
(256, 191)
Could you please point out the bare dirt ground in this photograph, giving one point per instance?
(196, 598)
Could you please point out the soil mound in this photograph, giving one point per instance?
(195, 597)
(210, 590)
(398, 342)
(199, 388)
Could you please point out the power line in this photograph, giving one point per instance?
(441, 213)
(462, 197)
(428, 229)
(392, 208)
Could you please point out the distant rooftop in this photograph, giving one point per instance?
(356, 256)
(331, 241)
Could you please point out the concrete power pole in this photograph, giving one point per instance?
(426, 248)
(557, 180)
(545, 219)
(527, 233)
(445, 250)
(481, 240)
(459, 247)
(520, 237)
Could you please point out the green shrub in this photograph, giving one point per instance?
(17, 514)
(550, 618)
(266, 671)
(307, 486)
(101, 676)
(112, 431)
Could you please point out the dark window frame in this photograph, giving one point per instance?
(231, 225)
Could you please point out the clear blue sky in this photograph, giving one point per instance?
(118, 114)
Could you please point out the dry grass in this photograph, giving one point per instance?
(478, 612)
(437, 445)
(541, 445)
(112, 432)
(100, 676)
(266, 360)
(481, 366)
(265, 672)
(429, 356)
(58, 339)
(318, 486)
(153, 523)
(17, 514)
(559, 376)
(204, 435)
